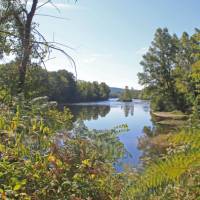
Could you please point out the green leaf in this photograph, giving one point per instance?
(17, 186)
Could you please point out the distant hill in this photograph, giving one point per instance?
(115, 92)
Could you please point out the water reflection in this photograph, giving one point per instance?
(140, 140)
(146, 108)
(154, 141)
(109, 114)
(89, 112)
(128, 109)
(93, 111)
(151, 146)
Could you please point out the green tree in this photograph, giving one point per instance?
(92, 91)
(19, 36)
(158, 64)
(95, 91)
(183, 70)
(37, 82)
(62, 86)
(104, 91)
(126, 95)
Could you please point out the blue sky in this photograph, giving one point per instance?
(109, 37)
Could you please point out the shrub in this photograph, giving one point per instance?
(41, 159)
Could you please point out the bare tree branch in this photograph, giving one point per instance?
(40, 6)
(50, 46)
(55, 6)
(33, 44)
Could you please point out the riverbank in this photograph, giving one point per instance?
(170, 115)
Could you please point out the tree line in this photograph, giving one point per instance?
(119, 93)
(59, 86)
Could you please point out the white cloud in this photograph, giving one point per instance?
(89, 60)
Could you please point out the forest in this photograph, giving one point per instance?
(59, 86)
(44, 155)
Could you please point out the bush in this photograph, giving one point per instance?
(41, 159)
(161, 103)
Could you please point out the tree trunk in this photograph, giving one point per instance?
(26, 46)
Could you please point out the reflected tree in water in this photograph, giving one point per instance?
(89, 112)
(128, 109)
(154, 142)
(146, 108)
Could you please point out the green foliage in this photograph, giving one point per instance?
(87, 91)
(171, 170)
(42, 159)
(36, 84)
(62, 86)
(145, 94)
(44, 156)
(171, 71)
(172, 162)
(59, 86)
(160, 103)
(126, 95)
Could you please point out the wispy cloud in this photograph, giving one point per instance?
(89, 60)
(141, 51)
(92, 58)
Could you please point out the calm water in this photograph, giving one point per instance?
(108, 114)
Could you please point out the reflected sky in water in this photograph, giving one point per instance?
(108, 114)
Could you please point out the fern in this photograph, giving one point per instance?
(183, 138)
(168, 170)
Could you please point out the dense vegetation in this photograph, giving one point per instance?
(42, 159)
(127, 95)
(172, 159)
(59, 86)
(92, 91)
(171, 71)
(43, 155)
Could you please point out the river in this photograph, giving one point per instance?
(108, 114)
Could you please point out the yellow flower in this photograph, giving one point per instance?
(51, 158)
(86, 162)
